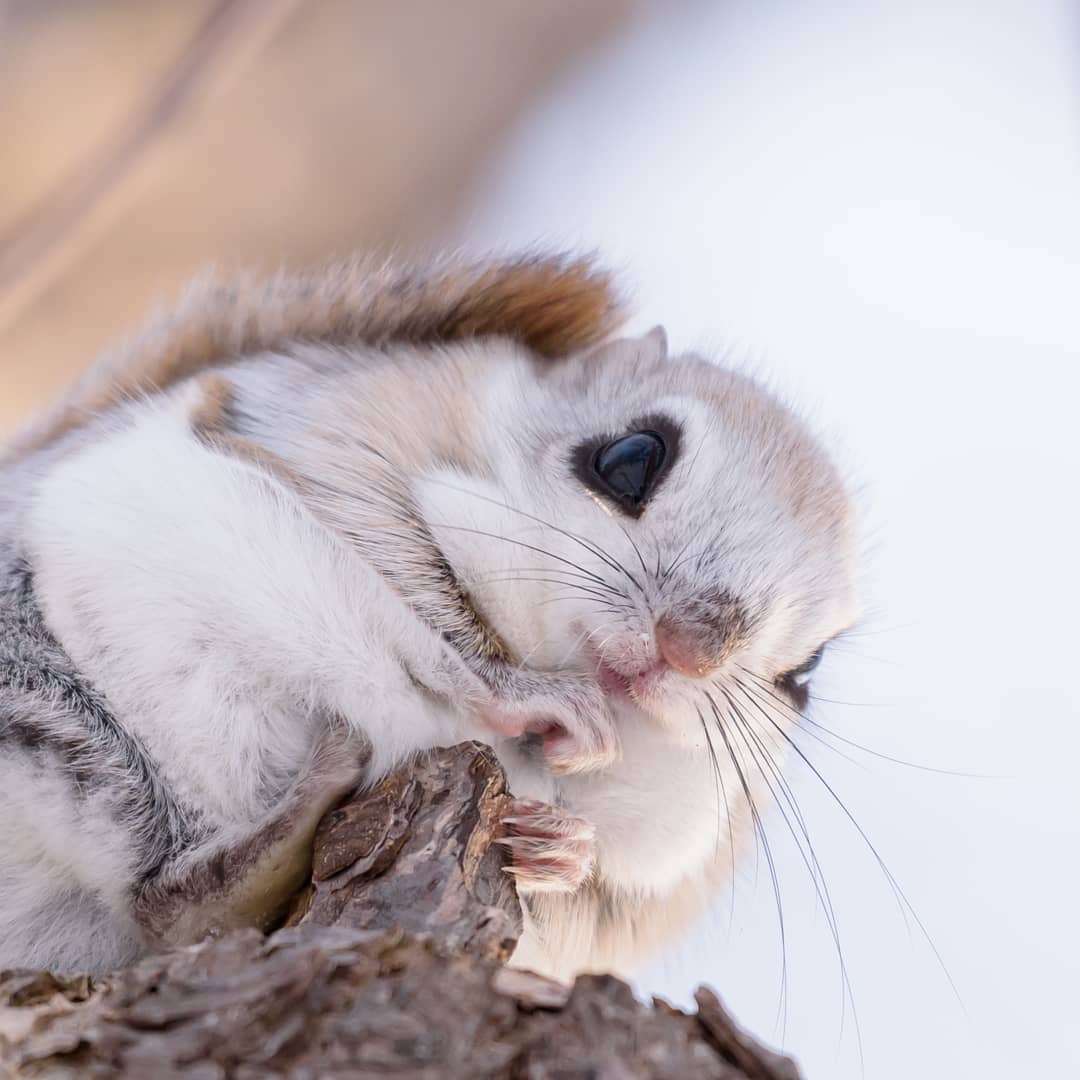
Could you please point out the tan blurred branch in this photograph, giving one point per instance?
(35, 250)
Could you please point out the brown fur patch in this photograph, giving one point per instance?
(210, 424)
(210, 414)
(553, 305)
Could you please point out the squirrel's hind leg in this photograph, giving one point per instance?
(247, 878)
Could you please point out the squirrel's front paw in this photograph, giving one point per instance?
(569, 715)
(550, 850)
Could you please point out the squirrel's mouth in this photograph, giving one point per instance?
(640, 687)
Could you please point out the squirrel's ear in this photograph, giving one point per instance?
(654, 343)
(652, 347)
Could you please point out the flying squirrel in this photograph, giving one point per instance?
(302, 528)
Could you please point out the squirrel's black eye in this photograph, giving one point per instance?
(799, 677)
(628, 467)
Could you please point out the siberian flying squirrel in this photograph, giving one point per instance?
(302, 529)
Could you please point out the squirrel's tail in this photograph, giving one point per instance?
(553, 304)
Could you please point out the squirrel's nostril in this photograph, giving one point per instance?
(683, 650)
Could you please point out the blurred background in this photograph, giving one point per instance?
(875, 207)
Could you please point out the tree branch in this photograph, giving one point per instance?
(390, 965)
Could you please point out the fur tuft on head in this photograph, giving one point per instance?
(552, 304)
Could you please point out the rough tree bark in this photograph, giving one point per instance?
(391, 963)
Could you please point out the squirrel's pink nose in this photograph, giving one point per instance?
(683, 649)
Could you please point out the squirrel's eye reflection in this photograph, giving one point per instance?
(628, 466)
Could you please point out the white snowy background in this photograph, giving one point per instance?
(877, 205)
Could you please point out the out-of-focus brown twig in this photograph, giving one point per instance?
(35, 249)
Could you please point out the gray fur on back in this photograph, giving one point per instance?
(70, 774)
